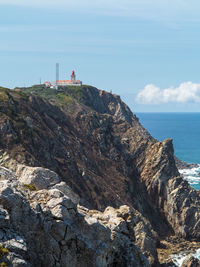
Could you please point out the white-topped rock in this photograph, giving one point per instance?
(40, 177)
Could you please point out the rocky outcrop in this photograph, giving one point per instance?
(183, 209)
(46, 228)
(145, 237)
(179, 203)
(39, 177)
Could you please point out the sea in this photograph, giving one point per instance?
(184, 129)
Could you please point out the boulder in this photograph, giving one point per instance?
(40, 177)
(66, 190)
(6, 174)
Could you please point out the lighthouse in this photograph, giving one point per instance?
(72, 82)
(73, 77)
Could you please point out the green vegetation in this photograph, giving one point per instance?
(3, 253)
(76, 92)
(65, 99)
(19, 124)
(4, 97)
(4, 94)
(22, 94)
(40, 90)
(4, 89)
(65, 94)
(3, 264)
(30, 187)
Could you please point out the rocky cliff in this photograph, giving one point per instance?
(100, 154)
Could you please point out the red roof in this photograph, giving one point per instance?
(64, 81)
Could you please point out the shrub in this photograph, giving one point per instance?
(3, 97)
(30, 187)
(3, 251)
(3, 264)
(65, 99)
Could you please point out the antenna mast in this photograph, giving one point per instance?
(57, 73)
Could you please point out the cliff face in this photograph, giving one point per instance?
(91, 139)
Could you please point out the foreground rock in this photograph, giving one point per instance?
(190, 261)
(46, 228)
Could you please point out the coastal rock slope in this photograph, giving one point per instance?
(46, 227)
(100, 151)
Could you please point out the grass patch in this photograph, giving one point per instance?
(3, 264)
(21, 94)
(20, 125)
(77, 92)
(30, 187)
(64, 94)
(3, 96)
(65, 99)
(3, 251)
(40, 90)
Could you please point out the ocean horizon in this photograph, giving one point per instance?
(184, 129)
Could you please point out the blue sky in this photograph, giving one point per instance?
(129, 47)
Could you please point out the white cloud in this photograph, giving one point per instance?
(186, 92)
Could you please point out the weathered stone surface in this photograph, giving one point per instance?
(6, 174)
(66, 190)
(39, 177)
(16, 260)
(45, 228)
(190, 261)
(178, 202)
(16, 247)
(145, 237)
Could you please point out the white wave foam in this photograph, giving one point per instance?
(179, 259)
(194, 178)
(190, 171)
(192, 175)
(197, 254)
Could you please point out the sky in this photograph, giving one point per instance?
(147, 51)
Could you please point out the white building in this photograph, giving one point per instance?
(72, 82)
